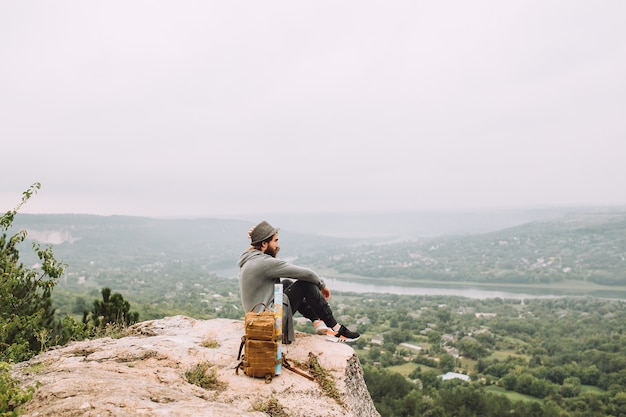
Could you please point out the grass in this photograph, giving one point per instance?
(112, 330)
(36, 368)
(466, 363)
(512, 395)
(406, 369)
(324, 379)
(210, 343)
(591, 388)
(502, 355)
(204, 376)
(272, 408)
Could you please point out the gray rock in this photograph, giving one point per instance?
(144, 374)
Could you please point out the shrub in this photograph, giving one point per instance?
(26, 315)
(11, 394)
(204, 376)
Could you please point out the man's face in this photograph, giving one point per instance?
(271, 248)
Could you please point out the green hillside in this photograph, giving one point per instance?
(582, 246)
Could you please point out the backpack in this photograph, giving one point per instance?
(259, 344)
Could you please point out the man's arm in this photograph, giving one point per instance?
(281, 269)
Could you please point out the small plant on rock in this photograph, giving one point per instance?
(204, 376)
(210, 343)
(272, 408)
(324, 379)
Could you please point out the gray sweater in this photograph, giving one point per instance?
(259, 272)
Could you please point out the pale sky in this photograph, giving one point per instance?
(213, 108)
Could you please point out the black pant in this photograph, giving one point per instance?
(307, 299)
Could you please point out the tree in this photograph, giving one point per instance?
(444, 315)
(446, 362)
(472, 348)
(570, 388)
(434, 337)
(112, 309)
(26, 313)
(509, 381)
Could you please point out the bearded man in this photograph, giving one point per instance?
(304, 291)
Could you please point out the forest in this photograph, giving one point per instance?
(557, 356)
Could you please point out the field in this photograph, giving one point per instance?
(512, 395)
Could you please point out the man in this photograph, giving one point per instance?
(306, 292)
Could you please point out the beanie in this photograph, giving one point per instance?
(261, 232)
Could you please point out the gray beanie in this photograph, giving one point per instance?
(261, 232)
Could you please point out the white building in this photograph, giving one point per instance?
(455, 375)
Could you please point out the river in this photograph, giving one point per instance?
(476, 292)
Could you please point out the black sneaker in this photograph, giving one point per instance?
(342, 335)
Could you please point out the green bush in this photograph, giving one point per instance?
(26, 315)
(11, 394)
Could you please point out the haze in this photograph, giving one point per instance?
(162, 108)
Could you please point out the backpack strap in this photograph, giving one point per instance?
(260, 304)
(243, 342)
(297, 371)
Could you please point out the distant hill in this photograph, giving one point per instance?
(587, 246)
(554, 246)
(122, 240)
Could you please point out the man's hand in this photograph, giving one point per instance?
(325, 293)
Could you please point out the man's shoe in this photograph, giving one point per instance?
(342, 335)
(320, 327)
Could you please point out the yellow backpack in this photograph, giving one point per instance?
(259, 344)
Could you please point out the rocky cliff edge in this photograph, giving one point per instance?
(143, 373)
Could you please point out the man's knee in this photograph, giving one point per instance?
(297, 283)
(303, 289)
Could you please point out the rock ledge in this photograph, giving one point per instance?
(144, 374)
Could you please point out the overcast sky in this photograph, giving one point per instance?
(217, 108)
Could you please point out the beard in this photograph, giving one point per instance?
(271, 252)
